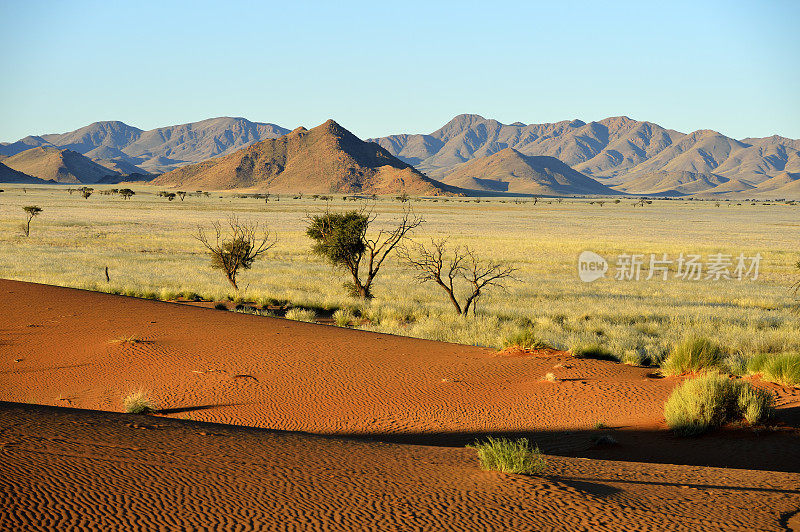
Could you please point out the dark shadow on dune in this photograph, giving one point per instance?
(185, 409)
(589, 488)
(738, 448)
(569, 481)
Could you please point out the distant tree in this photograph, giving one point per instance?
(237, 248)
(86, 192)
(796, 286)
(181, 194)
(342, 239)
(170, 196)
(266, 198)
(126, 193)
(31, 211)
(402, 198)
(445, 266)
(535, 199)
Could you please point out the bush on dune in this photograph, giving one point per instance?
(711, 400)
(783, 369)
(138, 403)
(693, 355)
(595, 351)
(508, 456)
(524, 339)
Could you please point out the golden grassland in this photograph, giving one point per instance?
(148, 246)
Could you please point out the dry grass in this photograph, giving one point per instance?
(138, 402)
(148, 247)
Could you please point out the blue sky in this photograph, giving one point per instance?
(380, 68)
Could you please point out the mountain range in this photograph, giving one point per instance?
(128, 149)
(327, 158)
(469, 153)
(619, 152)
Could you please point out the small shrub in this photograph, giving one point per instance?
(221, 306)
(301, 314)
(507, 456)
(549, 377)
(524, 339)
(343, 317)
(138, 403)
(783, 369)
(711, 400)
(693, 355)
(595, 351)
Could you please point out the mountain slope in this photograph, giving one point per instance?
(9, 175)
(510, 171)
(327, 158)
(158, 149)
(616, 150)
(62, 166)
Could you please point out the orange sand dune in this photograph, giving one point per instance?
(67, 348)
(64, 469)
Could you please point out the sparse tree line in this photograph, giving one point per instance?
(346, 241)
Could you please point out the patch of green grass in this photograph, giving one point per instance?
(783, 369)
(693, 355)
(712, 400)
(510, 456)
(595, 351)
(301, 314)
(524, 339)
(138, 402)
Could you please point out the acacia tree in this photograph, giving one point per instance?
(86, 192)
(342, 239)
(126, 193)
(181, 194)
(443, 266)
(30, 211)
(237, 248)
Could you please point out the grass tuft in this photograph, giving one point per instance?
(595, 351)
(693, 355)
(301, 314)
(343, 317)
(524, 339)
(783, 369)
(138, 402)
(507, 456)
(712, 400)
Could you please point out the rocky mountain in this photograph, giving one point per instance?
(510, 171)
(325, 159)
(156, 150)
(616, 151)
(61, 166)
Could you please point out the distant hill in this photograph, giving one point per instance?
(9, 175)
(615, 151)
(61, 166)
(510, 171)
(325, 159)
(156, 150)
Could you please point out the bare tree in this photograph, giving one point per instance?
(236, 250)
(444, 266)
(30, 211)
(342, 239)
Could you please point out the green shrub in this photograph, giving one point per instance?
(524, 339)
(693, 355)
(301, 314)
(507, 456)
(711, 400)
(138, 403)
(592, 351)
(783, 369)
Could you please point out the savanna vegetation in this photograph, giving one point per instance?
(150, 249)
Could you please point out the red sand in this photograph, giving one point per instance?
(58, 347)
